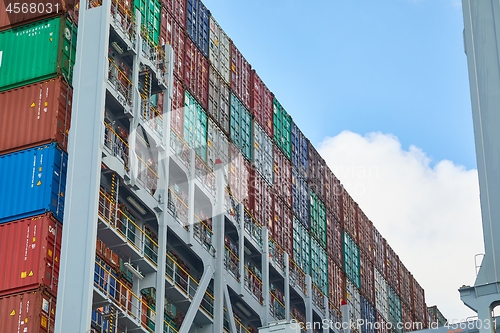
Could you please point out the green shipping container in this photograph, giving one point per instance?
(195, 126)
(317, 216)
(351, 260)
(395, 312)
(150, 18)
(319, 266)
(301, 246)
(37, 51)
(241, 127)
(282, 125)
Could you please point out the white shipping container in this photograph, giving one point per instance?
(263, 153)
(218, 99)
(219, 49)
(217, 145)
(381, 296)
(354, 301)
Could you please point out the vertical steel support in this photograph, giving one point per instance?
(218, 228)
(241, 209)
(308, 300)
(287, 288)
(346, 318)
(230, 312)
(74, 301)
(326, 328)
(264, 313)
(191, 191)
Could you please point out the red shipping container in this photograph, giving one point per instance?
(281, 224)
(316, 171)
(173, 33)
(392, 268)
(239, 174)
(367, 277)
(32, 249)
(349, 215)
(35, 114)
(178, 9)
(261, 103)
(282, 176)
(365, 234)
(379, 252)
(240, 76)
(334, 238)
(405, 286)
(333, 194)
(259, 202)
(419, 307)
(195, 75)
(407, 318)
(36, 10)
(31, 311)
(336, 283)
(382, 325)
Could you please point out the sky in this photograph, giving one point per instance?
(381, 88)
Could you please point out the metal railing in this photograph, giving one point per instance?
(297, 276)
(151, 116)
(180, 148)
(277, 308)
(153, 53)
(178, 207)
(253, 227)
(276, 253)
(147, 176)
(205, 175)
(124, 19)
(121, 82)
(253, 284)
(232, 263)
(116, 144)
(318, 298)
(231, 206)
(202, 232)
(300, 320)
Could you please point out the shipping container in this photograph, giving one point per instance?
(418, 307)
(316, 172)
(282, 176)
(281, 224)
(150, 11)
(353, 299)
(336, 284)
(35, 114)
(299, 147)
(178, 9)
(219, 49)
(32, 249)
(300, 198)
(31, 311)
(263, 153)
(379, 251)
(171, 32)
(260, 202)
(334, 239)
(240, 76)
(217, 145)
(383, 325)
(177, 110)
(367, 280)
(333, 194)
(261, 103)
(394, 305)
(198, 24)
(405, 285)
(369, 316)
(239, 174)
(435, 316)
(196, 73)
(365, 234)
(317, 219)
(351, 260)
(301, 246)
(407, 319)
(33, 183)
(381, 297)
(319, 266)
(195, 126)
(37, 51)
(349, 213)
(240, 127)
(218, 99)
(392, 268)
(282, 129)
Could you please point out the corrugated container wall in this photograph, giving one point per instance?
(300, 153)
(35, 114)
(195, 126)
(239, 174)
(217, 145)
(392, 268)
(405, 284)
(317, 171)
(301, 246)
(333, 193)
(178, 9)
(365, 234)
(33, 182)
(351, 260)
(263, 153)
(198, 24)
(196, 73)
(282, 176)
(282, 129)
(379, 251)
(177, 112)
(435, 316)
(32, 311)
(171, 32)
(383, 324)
(353, 300)
(260, 202)
(219, 49)
(240, 76)
(281, 225)
(218, 99)
(334, 239)
(369, 316)
(367, 282)
(32, 247)
(319, 267)
(300, 198)
(241, 127)
(28, 57)
(317, 219)
(150, 19)
(336, 283)
(394, 304)
(350, 218)
(381, 297)
(419, 308)
(407, 318)
(261, 103)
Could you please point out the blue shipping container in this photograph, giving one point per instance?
(300, 198)
(33, 183)
(198, 24)
(299, 150)
(369, 316)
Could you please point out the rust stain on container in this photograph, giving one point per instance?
(35, 114)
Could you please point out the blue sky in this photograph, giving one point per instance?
(380, 85)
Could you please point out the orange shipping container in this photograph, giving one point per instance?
(35, 114)
(32, 248)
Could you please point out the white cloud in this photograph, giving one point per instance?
(430, 215)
